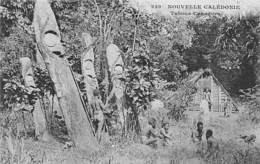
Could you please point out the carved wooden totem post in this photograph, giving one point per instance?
(1, 82)
(116, 68)
(49, 44)
(88, 70)
(38, 113)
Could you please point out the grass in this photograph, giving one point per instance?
(30, 152)
(122, 150)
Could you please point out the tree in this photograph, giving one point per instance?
(237, 44)
(140, 79)
(220, 43)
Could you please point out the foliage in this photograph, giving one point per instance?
(16, 13)
(43, 81)
(164, 37)
(140, 76)
(177, 102)
(18, 97)
(238, 43)
(205, 32)
(16, 45)
(167, 47)
(248, 97)
(225, 46)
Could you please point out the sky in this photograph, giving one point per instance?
(245, 6)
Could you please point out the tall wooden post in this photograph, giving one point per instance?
(88, 70)
(49, 44)
(1, 83)
(38, 113)
(116, 68)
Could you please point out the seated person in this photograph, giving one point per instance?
(196, 135)
(152, 135)
(165, 133)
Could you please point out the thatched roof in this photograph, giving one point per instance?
(196, 75)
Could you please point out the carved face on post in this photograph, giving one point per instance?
(115, 61)
(118, 71)
(46, 28)
(89, 73)
(52, 41)
(27, 71)
(29, 78)
(88, 62)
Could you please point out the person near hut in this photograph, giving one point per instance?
(204, 108)
(226, 108)
(208, 94)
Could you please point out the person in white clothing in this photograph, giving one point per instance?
(204, 108)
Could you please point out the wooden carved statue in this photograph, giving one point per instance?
(49, 44)
(116, 68)
(38, 113)
(93, 96)
(1, 82)
(88, 69)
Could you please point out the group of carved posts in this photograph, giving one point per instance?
(49, 55)
(116, 68)
(69, 99)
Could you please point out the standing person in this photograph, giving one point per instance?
(204, 107)
(97, 113)
(208, 94)
(226, 107)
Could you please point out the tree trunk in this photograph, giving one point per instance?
(70, 102)
(38, 113)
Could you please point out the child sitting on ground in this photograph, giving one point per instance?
(165, 133)
(152, 135)
(196, 135)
